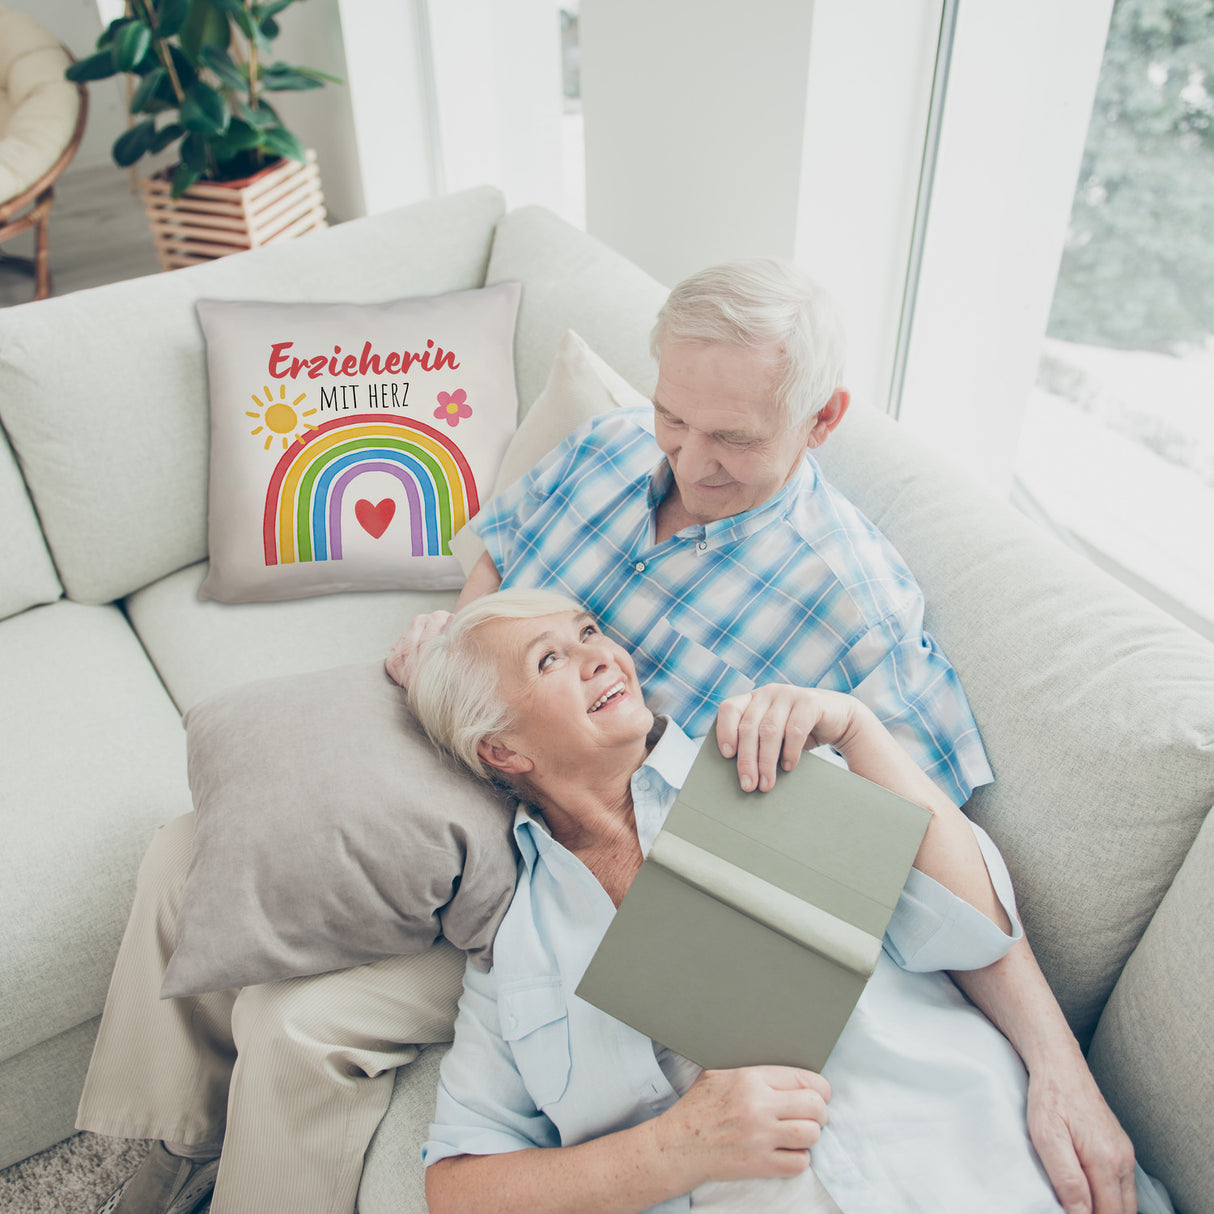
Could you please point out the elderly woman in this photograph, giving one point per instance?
(547, 1103)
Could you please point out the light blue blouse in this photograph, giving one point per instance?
(928, 1104)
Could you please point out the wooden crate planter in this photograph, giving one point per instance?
(215, 218)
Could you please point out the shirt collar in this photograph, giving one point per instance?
(737, 526)
(655, 784)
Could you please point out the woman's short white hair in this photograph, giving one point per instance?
(762, 303)
(454, 691)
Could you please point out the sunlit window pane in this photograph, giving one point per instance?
(1118, 442)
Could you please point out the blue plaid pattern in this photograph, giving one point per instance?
(802, 590)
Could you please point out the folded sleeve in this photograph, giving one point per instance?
(483, 1107)
(933, 929)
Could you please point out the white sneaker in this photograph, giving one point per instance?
(164, 1184)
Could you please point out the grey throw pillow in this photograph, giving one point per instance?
(329, 833)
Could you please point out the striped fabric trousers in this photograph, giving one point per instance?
(292, 1076)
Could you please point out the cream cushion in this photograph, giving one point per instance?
(27, 574)
(38, 106)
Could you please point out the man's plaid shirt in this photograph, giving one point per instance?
(802, 589)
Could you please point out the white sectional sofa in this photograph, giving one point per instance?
(1097, 711)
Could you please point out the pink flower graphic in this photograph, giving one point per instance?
(452, 406)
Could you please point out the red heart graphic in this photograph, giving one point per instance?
(374, 520)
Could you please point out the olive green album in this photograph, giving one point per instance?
(755, 921)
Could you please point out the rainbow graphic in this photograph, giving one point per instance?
(302, 520)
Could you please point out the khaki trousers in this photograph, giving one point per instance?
(293, 1076)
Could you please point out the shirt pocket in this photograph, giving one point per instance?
(683, 670)
(535, 1024)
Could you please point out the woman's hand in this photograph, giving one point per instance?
(401, 661)
(750, 1122)
(770, 727)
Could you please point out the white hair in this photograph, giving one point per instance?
(763, 303)
(454, 691)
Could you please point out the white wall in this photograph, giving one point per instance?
(780, 128)
(387, 69)
(497, 70)
(870, 81)
(694, 126)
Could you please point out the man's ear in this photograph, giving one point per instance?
(495, 754)
(829, 416)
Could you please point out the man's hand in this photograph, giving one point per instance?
(403, 656)
(1087, 1155)
(769, 727)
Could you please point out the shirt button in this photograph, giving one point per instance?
(639, 566)
(702, 545)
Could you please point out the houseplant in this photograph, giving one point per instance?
(201, 71)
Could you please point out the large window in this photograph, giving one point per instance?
(1117, 445)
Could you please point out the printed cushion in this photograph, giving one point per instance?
(328, 833)
(349, 442)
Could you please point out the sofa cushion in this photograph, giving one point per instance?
(93, 760)
(27, 574)
(200, 648)
(393, 1179)
(1097, 711)
(111, 425)
(328, 483)
(1152, 1054)
(580, 386)
(572, 281)
(328, 833)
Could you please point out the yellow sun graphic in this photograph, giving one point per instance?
(280, 418)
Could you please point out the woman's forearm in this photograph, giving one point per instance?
(620, 1173)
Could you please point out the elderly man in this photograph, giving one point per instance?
(704, 538)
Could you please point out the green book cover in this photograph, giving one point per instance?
(755, 921)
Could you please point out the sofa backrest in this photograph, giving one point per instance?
(1096, 709)
(118, 473)
(571, 281)
(27, 574)
(1097, 712)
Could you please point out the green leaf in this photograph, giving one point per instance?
(281, 142)
(241, 137)
(237, 12)
(225, 67)
(144, 97)
(171, 16)
(183, 178)
(317, 74)
(261, 118)
(132, 144)
(271, 9)
(205, 26)
(187, 73)
(268, 28)
(279, 77)
(166, 135)
(131, 44)
(203, 112)
(194, 153)
(95, 67)
(110, 32)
